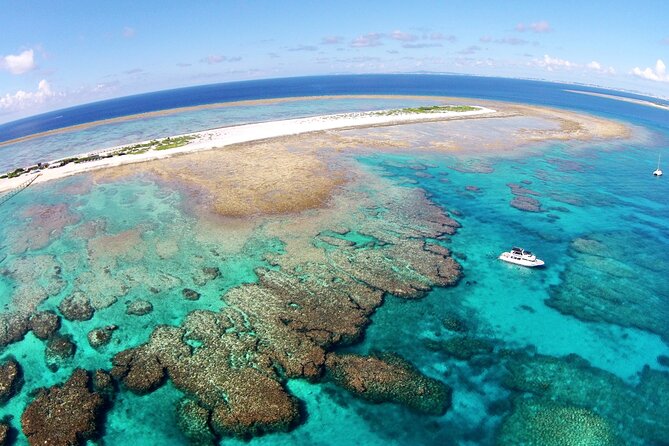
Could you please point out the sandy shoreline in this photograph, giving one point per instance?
(245, 103)
(226, 136)
(621, 98)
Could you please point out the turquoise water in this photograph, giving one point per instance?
(588, 191)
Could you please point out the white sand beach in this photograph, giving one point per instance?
(226, 136)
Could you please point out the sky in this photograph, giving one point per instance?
(59, 54)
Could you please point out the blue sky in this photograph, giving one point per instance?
(58, 54)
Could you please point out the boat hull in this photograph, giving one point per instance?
(526, 263)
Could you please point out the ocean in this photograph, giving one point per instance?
(575, 353)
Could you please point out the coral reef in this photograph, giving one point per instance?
(59, 349)
(44, 324)
(617, 291)
(44, 223)
(13, 327)
(232, 364)
(4, 433)
(206, 274)
(99, 337)
(461, 347)
(189, 294)
(11, 379)
(63, 415)
(388, 378)
(527, 204)
(139, 307)
(544, 423)
(37, 278)
(453, 322)
(193, 421)
(223, 373)
(634, 413)
(76, 307)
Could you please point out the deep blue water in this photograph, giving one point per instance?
(515, 90)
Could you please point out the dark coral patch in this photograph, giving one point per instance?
(63, 415)
(389, 378)
(11, 379)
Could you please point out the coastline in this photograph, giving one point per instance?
(245, 103)
(621, 98)
(226, 136)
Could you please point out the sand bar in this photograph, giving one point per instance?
(226, 136)
(621, 98)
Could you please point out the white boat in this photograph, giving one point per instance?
(519, 256)
(658, 171)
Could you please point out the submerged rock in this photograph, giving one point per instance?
(572, 381)
(613, 278)
(103, 384)
(206, 274)
(139, 307)
(193, 420)
(77, 307)
(545, 423)
(99, 337)
(388, 378)
(189, 294)
(11, 379)
(44, 324)
(452, 322)
(527, 204)
(63, 415)
(140, 371)
(59, 349)
(4, 433)
(219, 374)
(13, 327)
(461, 347)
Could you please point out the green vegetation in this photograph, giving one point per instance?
(135, 149)
(87, 158)
(171, 143)
(428, 109)
(15, 173)
(162, 144)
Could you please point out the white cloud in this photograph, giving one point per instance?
(303, 48)
(331, 40)
(596, 66)
(25, 99)
(218, 58)
(422, 45)
(19, 63)
(402, 36)
(553, 63)
(367, 40)
(439, 36)
(541, 26)
(658, 74)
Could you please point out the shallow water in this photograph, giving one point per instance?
(594, 190)
(99, 137)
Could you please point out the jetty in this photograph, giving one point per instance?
(13, 192)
